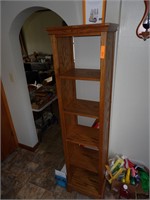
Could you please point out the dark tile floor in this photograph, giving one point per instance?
(30, 175)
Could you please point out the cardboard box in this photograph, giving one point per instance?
(60, 177)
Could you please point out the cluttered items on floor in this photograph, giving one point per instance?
(129, 179)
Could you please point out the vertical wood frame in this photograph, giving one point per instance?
(85, 166)
(84, 10)
(9, 141)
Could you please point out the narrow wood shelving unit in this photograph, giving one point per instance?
(85, 148)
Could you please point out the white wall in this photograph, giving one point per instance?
(130, 117)
(34, 29)
(13, 75)
(129, 133)
(87, 56)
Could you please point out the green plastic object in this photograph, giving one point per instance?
(144, 176)
(132, 180)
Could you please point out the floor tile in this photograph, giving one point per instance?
(31, 175)
(30, 191)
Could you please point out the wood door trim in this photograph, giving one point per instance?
(3, 97)
(4, 105)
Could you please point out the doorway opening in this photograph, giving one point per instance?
(37, 59)
(40, 164)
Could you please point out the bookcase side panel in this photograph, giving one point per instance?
(59, 65)
(105, 98)
(65, 52)
(66, 63)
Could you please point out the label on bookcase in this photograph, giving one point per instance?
(102, 53)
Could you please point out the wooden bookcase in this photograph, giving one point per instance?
(85, 166)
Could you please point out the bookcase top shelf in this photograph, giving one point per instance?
(82, 30)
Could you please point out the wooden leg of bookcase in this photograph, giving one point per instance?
(69, 189)
(102, 190)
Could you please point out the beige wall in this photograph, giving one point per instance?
(34, 31)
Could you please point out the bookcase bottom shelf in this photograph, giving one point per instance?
(85, 182)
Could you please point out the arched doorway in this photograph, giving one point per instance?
(29, 136)
(25, 129)
(38, 65)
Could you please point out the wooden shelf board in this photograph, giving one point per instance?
(84, 158)
(85, 182)
(83, 135)
(82, 74)
(83, 108)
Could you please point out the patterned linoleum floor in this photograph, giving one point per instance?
(30, 175)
